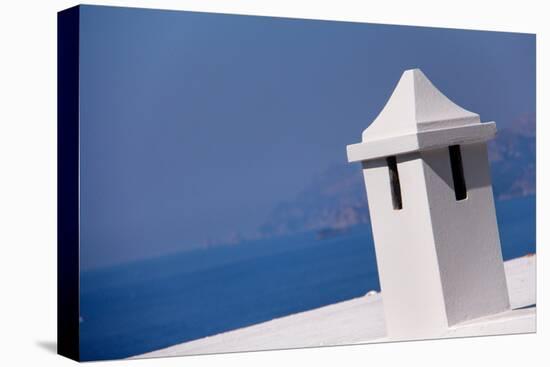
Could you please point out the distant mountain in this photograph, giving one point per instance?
(336, 199)
(513, 157)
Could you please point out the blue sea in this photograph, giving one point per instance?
(147, 305)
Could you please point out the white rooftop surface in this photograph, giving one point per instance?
(361, 320)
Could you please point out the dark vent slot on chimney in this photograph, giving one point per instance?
(394, 182)
(458, 172)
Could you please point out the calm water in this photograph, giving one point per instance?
(143, 306)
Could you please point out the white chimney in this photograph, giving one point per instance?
(431, 205)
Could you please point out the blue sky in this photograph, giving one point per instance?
(196, 125)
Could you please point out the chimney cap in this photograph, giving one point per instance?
(418, 117)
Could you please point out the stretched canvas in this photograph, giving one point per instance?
(233, 183)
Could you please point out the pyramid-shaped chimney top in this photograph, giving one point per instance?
(416, 117)
(417, 105)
